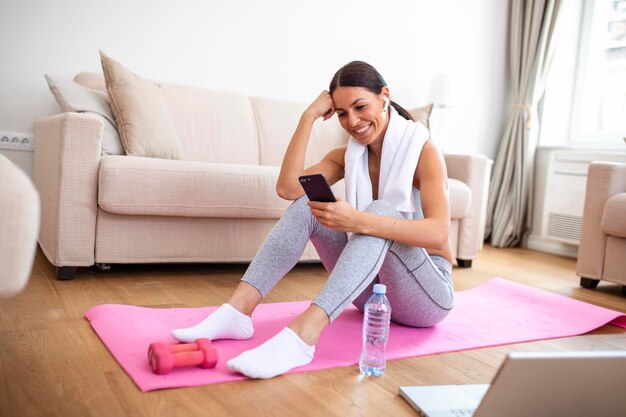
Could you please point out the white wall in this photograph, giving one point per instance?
(279, 48)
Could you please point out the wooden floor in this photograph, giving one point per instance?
(53, 364)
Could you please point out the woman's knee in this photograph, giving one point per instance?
(383, 208)
(300, 202)
(299, 205)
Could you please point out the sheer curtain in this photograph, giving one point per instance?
(531, 46)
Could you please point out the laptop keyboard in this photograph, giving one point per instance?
(462, 412)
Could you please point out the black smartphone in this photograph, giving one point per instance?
(317, 189)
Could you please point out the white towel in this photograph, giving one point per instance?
(402, 146)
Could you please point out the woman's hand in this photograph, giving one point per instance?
(323, 106)
(339, 216)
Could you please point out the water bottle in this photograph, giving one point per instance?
(376, 317)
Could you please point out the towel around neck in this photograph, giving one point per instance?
(402, 146)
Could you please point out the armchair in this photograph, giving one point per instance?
(19, 224)
(602, 251)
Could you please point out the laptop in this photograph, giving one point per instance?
(537, 384)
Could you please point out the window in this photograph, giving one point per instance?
(593, 112)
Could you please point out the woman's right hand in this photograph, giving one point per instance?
(323, 106)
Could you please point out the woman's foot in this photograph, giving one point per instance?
(224, 323)
(278, 355)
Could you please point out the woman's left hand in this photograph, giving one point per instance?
(339, 216)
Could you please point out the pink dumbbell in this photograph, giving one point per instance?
(164, 358)
(179, 347)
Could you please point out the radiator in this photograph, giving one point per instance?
(564, 198)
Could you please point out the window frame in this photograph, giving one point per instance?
(577, 135)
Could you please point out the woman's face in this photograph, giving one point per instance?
(361, 113)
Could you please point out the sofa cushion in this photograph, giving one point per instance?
(614, 217)
(277, 120)
(91, 80)
(203, 118)
(160, 187)
(213, 125)
(460, 198)
(141, 113)
(422, 114)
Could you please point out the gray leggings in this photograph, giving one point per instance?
(419, 287)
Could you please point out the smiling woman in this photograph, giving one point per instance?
(392, 228)
(362, 120)
(362, 75)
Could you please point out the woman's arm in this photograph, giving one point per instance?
(288, 186)
(431, 232)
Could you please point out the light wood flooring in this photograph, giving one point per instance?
(53, 364)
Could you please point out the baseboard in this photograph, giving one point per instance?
(536, 242)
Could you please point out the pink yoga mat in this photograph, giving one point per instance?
(496, 313)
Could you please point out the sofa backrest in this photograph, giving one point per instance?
(213, 126)
(228, 127)
(276, 122)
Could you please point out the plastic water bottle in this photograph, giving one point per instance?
(376, 317)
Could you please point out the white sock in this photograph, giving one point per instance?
(224, 323)
(278, 355)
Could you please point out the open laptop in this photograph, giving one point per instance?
(537, 384)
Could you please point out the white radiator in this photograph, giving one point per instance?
(565, 192)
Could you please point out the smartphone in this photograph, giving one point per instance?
(317, 189)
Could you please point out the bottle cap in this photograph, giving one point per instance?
(380, 289)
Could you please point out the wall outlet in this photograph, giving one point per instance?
(16, 141)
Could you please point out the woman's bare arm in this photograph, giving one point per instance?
(429, 232)
(331, 166)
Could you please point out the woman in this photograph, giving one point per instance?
(396, 210)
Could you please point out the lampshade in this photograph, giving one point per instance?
(442, 91)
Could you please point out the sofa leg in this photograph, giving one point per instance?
(65, 273)
(104, 267)
(98, 267)
(589, 283)
(464, 263)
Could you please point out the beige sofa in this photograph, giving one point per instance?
(218, 205)
(19, 226)
(602, 251)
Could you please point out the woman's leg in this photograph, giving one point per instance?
(419, 287)
(279, 253)
(420, 291)
(284, 246)
(353, 270)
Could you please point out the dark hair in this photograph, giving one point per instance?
(362, 74)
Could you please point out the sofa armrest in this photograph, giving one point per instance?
(65, 172)
(604, 179)
(475, 171)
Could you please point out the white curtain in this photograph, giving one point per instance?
(531, 46)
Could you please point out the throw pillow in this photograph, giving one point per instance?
(93, 80)
(141, 113)
(73, 97)
(422, 114)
